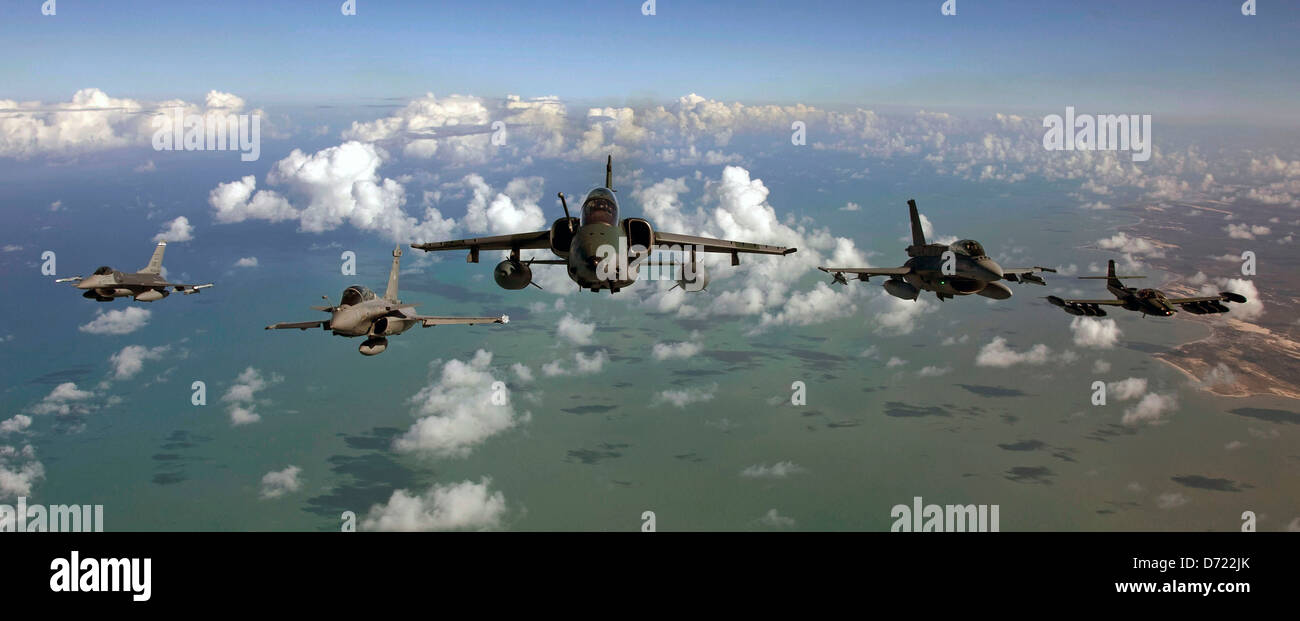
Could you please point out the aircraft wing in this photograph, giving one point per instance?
(868, 271)
(181, 287)
(1025, 274)
(1110, 302)
(523, 241)
(1091, 308)
(301, 325)
(1207, 304)
(428, 321)
(709, 244)
(1203, 298)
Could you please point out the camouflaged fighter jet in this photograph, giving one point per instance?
(970, 270)
(361, 313)
(584, 245)
(1145, 301)
(146, 285)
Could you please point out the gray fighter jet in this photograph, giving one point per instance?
(361, 313)
(1145, 301)
(146, 285)
(961, 268)
(601, 251)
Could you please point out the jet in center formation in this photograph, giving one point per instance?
(584, 245)
(961, 268)
(361, 313)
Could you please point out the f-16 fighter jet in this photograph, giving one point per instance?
(961, 268)
(146, 285)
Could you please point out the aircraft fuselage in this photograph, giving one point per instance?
(949, 272)
(593, 244)
(114, 284)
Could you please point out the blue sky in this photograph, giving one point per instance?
(1199, 60)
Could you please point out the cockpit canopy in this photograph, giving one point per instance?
(356, 294)
(600, 206)
(970, 248)
(103, 271)
(1150, 294)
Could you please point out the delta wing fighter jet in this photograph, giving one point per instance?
(1145, 301)
(361, 313)
(600, 251)
(961, 268)
(146, 285)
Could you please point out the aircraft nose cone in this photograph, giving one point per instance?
(343, 321)
(990, 268)
(595, 242)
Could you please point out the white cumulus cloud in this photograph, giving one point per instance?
(461, 409)
(779, 470)
(117, 322)
(998, 355)
(242, 395)
(19, 471)
(1095, 333)
(459, 506)
(574, 330)
(177, 230)
(130, 360)
(280, 482)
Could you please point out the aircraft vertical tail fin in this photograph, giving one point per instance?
(918, 234)
(390, 293)
(1112, 279)
(609, 172)
(155, 262)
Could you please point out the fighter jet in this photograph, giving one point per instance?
(145, 285)
(961, 268)
(600, 251)
(361, 313)
(1145, 301)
